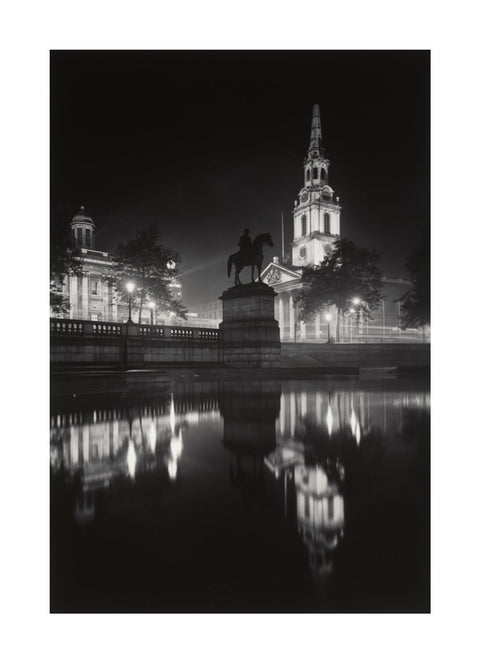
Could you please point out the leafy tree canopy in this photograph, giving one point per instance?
(348, 272)
(415, 303)
(143, 260)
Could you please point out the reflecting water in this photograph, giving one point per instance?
(243, 496)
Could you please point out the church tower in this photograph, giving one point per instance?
(316, 216)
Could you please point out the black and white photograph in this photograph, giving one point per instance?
(240, 331)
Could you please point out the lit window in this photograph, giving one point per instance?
(326, 223)
(304, 224)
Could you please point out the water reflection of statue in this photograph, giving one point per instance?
(249, 411)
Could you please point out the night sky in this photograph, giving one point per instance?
(206, 143)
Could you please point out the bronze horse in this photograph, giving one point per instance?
(254, 258)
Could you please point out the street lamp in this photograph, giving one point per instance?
(171, 265)
(328, 317)
(130, 288)
(151, 306)
(356, 302)
(352, 311)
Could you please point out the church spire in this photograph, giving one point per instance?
(316, 133)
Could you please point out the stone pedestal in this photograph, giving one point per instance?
(251, 336)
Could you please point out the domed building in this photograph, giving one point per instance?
(89, 295)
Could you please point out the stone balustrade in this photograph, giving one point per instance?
(130, 345)
(60, 327)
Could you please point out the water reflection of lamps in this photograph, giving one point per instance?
(152, 436)
(329, 420)
(131, 458)
(131, 453)
(355, 426)
(176, 442)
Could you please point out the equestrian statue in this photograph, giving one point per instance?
(250, 255)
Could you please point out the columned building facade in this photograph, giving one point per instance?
(90, 296)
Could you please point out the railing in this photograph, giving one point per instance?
(151, 331)
(181, 332)
(66, 327)
(61, 327)
(106, 329)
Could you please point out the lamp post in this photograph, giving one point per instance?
(328, 317)
(356, 301)
(151, 306)
(130, 288)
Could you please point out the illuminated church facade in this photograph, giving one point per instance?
(316, 225)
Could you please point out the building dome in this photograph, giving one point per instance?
(82, 217)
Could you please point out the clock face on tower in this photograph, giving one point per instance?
(326, 194)
(304, 197)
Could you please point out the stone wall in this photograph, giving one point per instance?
(81, 343)
(358, 355)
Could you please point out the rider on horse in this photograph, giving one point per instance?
(245, 245)
(250, 254)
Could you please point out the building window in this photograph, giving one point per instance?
(315, 173)
(323, 175)
(304, 224)
(95, 287)
(326, 223)
(308, 176)
(88, 234)
(303, 252)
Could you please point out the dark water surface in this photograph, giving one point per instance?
(272, 496)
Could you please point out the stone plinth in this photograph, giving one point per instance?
(251, 336)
